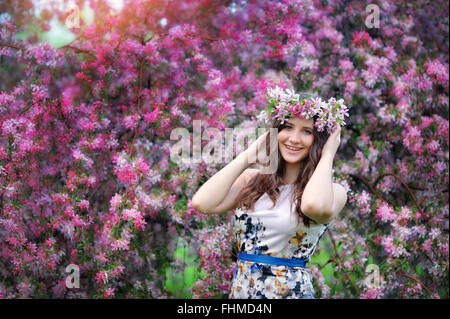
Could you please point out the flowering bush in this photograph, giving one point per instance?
(85, 172)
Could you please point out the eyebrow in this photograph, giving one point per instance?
(302, 127)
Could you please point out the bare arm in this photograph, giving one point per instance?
(318, 195)
(220, 192)
(214, 191)
(322, 199)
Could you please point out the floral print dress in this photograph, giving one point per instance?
(275, 232)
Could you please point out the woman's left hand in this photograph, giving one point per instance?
(333, 142)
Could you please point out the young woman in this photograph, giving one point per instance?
(279, 218)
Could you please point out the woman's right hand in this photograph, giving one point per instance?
(219, 193)
(257, 152)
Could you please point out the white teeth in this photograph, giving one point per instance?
(293, 149)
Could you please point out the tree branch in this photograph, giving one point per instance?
(10, 46)
(338, 263)
(138, 103)
(418, 281)
(404, 185)
(367, 183)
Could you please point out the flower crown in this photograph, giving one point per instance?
(284, 104)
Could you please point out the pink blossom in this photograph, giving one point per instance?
(364, 201)
(394, 250)
(432, 146)
(101, 277)
(131, 121)
(102, 258)
(405, 214)
(438, 71)
(372, 293)
(152, 117)
(345, 65)
(427, 245)
(115, 202)
(426, 121)
(385, 212)
(25, 289)
(424, 83)
(419, 230)
(127, 175)
(52, 265)
(49, 242)
(435, 233)
(351, 87)
(439, 167)
(120, 244)
(44, 54)
(66, 102)
(97, 143)
(83, 204)
(109, 293)
(142, 166)
(360, 36)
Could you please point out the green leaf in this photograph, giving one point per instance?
(148, 36)
(419, 271)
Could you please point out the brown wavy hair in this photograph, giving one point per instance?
(269, 183)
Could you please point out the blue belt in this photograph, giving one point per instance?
(277, 261)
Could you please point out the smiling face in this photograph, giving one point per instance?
(295, 138)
